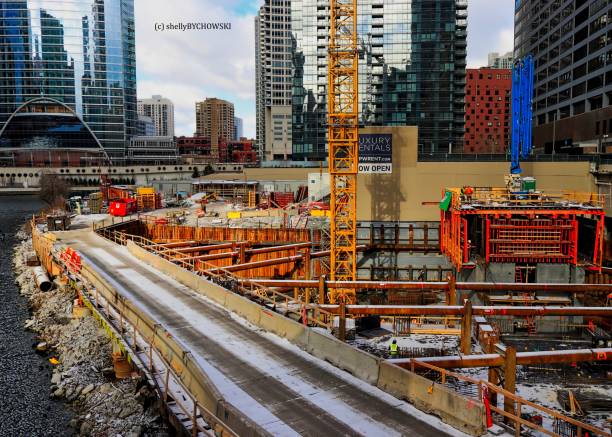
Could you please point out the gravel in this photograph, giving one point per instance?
(101, 405)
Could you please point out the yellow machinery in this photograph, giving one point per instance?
(343, 137)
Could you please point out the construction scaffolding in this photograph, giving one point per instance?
(527, 228)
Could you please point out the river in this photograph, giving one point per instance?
(25, 377)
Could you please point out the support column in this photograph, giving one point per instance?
(493, 376)
(307, 264)
(342, 321)
(451, 295)
(509, 379)
(466, 329)
(322, 287)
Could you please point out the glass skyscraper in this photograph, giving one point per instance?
(67, 75)
(411, 71)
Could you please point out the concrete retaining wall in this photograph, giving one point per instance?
(464, 414)
(454, 409)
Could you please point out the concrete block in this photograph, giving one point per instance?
(462, 413)
(360, 364)
(553, 273)
(577, 275)
(273, 322)
(243, 307)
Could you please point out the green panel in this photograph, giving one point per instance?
(446, 201)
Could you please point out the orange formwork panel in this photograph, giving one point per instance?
(519, 228)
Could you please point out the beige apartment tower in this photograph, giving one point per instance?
(215, 119)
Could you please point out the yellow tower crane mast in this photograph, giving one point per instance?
(343, 137)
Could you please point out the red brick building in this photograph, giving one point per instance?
(488, 101)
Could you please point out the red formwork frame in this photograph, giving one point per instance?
(546, 235)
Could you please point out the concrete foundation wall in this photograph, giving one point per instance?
(452, 408)
(553, 273)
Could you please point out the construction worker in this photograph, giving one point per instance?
(393, 349)
(467, 192)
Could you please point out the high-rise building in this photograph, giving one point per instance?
(215, 119)
(161, 110)
(488, 94)
(411, 71)
(273, 63)
(68, 76)
(504, 61)
(570, 43)
(145, 127)
(238, 128)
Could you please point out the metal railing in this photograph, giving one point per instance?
(127, 328)
(227, 280)
(502, 197)
(490, 393)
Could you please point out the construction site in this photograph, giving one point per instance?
(408, 301)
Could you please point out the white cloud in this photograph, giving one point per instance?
(490, 29)
(187, 66)
(191, 65)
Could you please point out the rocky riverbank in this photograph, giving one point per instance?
(83, 375)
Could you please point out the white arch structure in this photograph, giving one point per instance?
(52, 100)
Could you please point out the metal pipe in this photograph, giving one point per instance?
(207, 248)
(278, 248)
(433, 286)
(42, 280)
(257, 264)
(421, 310)
(522, 358)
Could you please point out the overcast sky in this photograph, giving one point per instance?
(186, 66)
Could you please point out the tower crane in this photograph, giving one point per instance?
(343, 138)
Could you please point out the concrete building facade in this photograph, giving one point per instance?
(161, 110)
(488, 95)
(570, 41)
(273, 59)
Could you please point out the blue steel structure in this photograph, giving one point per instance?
(522, 111)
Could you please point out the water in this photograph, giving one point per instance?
(25, 377)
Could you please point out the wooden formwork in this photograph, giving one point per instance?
(169, 233)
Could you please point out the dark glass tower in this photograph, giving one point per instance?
(411, 71)
(68, 74)
(570, 41)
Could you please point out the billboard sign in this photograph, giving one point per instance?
(375, 153)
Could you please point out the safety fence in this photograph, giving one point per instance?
(515, 411)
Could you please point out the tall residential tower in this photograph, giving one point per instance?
(411, 71)
(273, 56)
(161, 110)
